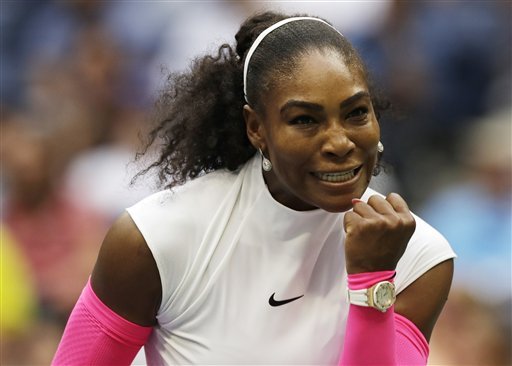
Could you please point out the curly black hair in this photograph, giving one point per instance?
(200, 113)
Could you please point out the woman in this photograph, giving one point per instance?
(249, 263)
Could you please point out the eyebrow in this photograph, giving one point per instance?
(300, 104)
(317, 107)
(354, 98)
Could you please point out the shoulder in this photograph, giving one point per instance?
(426, 249)
(125, 276)
(423, 277)
(172, 223)
(202, 192)
(183, 209)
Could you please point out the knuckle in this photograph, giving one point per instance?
(409, 221)
(394, 197)
(412, 223)
(374, 199)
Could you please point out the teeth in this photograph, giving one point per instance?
(336, 177)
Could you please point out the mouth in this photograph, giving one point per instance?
(338, 177)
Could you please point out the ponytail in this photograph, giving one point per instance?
(201, 126)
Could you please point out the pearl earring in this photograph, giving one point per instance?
(380, 147)
(265, 164)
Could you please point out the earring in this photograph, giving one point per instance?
(265, 164)
(380, 147)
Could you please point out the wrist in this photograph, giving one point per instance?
(358, 268)
(372, 289)
(362, 280)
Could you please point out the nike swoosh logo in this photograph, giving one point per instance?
(274, 302)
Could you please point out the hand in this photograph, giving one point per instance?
(377, 233)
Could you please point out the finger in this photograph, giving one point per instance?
(363, 209)
(398, 203)
(381, 205)
(402, 209)
(356, 200)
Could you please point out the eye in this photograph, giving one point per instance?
(302, 120)
(358, 114)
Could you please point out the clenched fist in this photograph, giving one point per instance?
(377, 233)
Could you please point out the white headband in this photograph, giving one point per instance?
(263, 34)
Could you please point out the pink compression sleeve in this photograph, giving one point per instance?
(95, 335)
(376, 338)
(411, 346)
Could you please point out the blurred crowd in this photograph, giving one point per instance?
(79, 80)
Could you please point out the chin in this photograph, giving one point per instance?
(336, 206)
(340, 203)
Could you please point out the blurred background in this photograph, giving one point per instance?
(78, 83)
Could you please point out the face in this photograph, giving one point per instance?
(320, 132)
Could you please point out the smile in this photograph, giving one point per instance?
(338, 177)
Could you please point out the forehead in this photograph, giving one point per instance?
(318, 76)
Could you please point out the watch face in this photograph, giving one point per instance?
(384, 295)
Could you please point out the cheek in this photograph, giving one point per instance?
(367, 138)
(288, 157)
(288, 146)
(366, 142)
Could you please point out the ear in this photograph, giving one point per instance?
(254, 128)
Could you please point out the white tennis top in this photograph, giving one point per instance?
(224, 247)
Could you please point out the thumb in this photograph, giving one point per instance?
(349, 220)
(350, 217)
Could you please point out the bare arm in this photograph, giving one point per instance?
(422, 301)
(125, 276)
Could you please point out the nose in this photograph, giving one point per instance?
(336, 142)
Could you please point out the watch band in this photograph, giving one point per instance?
(380, 296)
(359, 297)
